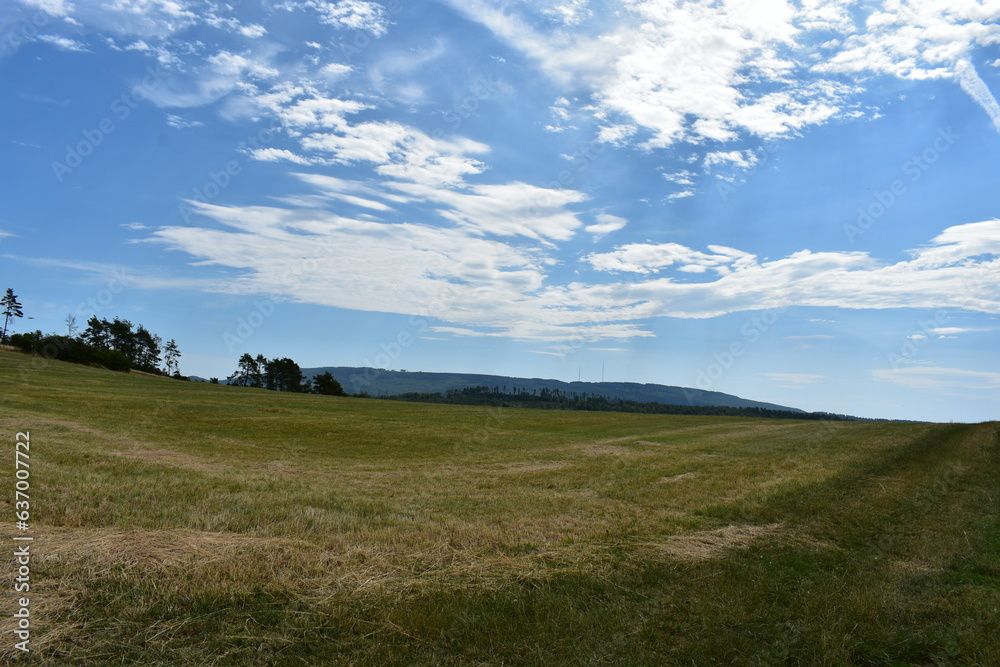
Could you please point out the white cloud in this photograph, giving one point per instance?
(557, 52)
(559, 111)
(606, 223)
(681, 71)
(394, 75)
(951, 331)
(401, 152)
(149, 19)
(299, 113)
(220, 75)
(326, 135)
(141, 278)
(683, 177)
(938, 276)
(728, 70)
(318, 257)
(739, 159)
(569, 13)
(163, 55)
(230, 24)
(657, 72)
(335, 71)
(926, 39)
(683, 194)
(957, 243)
(369, 17)
(917, 39)
(977, 90)
(63, 43)
(237, 65)
(468, 277)
(939, 379)
(351, 192)
(509, 209)
(253, 30)
(277, 155)
(616, 134)
(649, 258)
(179, 123)
(60, 8)
(794, 380)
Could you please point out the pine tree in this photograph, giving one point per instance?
(171, 353)
(326, 384)
(11, 308)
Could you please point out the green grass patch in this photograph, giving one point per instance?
(186, 523)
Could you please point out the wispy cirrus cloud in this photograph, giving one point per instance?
(681, 71)
(64, 43)
(940, 379)
(491, 248)
(733, 71)
(939, 275)
(794, 380)
(606, 223)
(370, 17)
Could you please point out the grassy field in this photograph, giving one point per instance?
(186, 523)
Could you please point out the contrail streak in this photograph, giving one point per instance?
(977, 90)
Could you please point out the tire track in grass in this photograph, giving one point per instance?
(905, 582)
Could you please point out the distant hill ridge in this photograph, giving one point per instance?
(377, 382)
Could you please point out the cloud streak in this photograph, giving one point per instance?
(495, 263)
(733, 70)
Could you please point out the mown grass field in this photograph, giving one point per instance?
(184, 523)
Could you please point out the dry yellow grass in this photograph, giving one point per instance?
(194, 524)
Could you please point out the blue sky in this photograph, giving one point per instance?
(794, 202)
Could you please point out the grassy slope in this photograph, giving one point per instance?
(195, 524)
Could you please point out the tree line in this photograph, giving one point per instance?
(120, 345)
(117, 345)
(556, 399)
(281, 375)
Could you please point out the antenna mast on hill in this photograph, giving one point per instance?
(602, 371)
